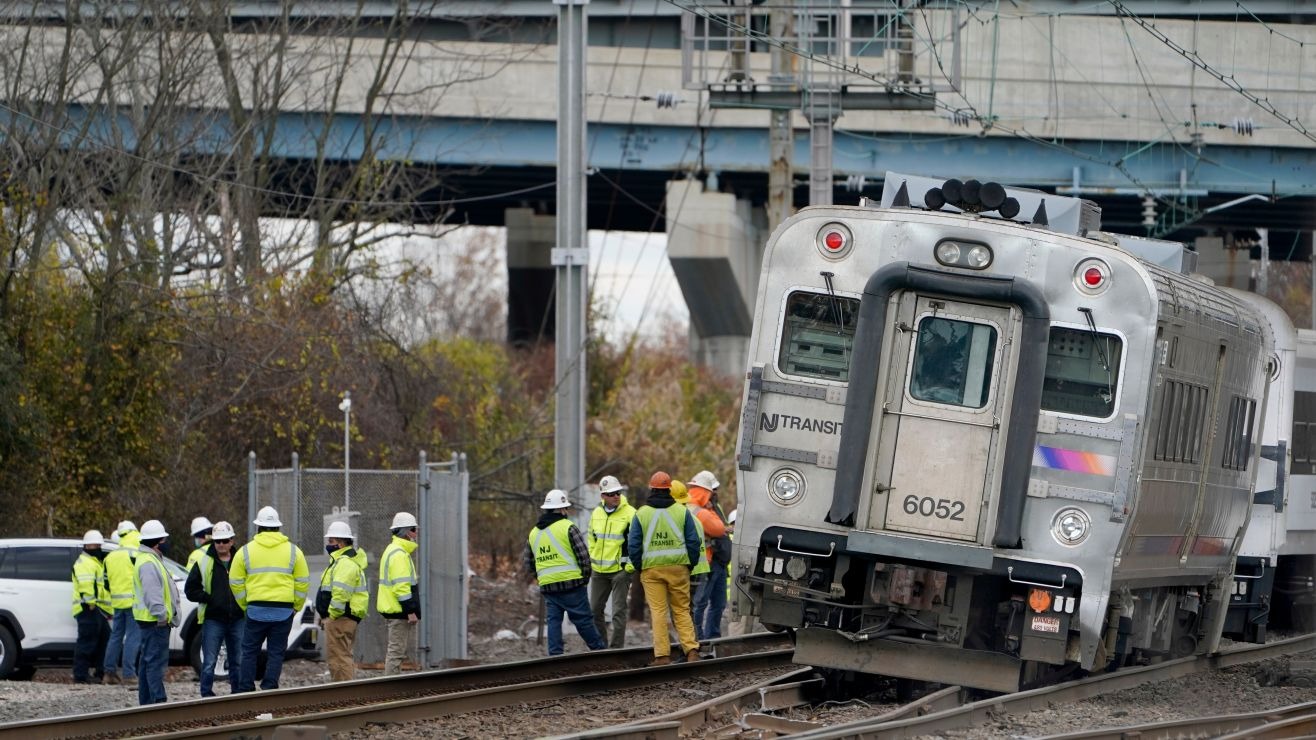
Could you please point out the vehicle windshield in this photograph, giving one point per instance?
(818, 335)
(1082, 372)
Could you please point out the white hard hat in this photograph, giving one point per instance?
(114, 538)
(267, 517)
(339, 530)
(402, 520)
(610, 484)
(93, 537)
(731, 518)
(222, 531)
(705, 479)
(153, 530)
(124, 527)
(201, 524)
(556, 499)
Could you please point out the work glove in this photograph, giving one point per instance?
(630, 568)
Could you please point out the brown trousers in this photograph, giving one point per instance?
(340, 636)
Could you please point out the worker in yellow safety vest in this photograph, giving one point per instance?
(556, 554)
(201, 531)
(398, 597)
(91, 609)
(667, 545)
(342, 600)
(155, 609)
(609, 559)
(125, 639)
(269, 579)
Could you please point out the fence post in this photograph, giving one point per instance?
(429, 587)
(296, 529)
(251, 494)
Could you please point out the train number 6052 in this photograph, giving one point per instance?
(939, 507)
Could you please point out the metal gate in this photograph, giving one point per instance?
(307, 499)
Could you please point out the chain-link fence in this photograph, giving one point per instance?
(308, 499)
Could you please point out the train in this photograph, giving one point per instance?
(985, 443)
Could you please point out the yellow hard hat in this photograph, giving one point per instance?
(680, 494)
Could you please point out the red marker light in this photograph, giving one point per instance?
(1093, 277)
(834, 241)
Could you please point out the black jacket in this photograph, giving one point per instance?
(220, 604)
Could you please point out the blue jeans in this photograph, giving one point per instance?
(152, 660)
(125, 640)
(710, 603)
(213, 633)
(89, 653)
(575, 603)
(275, 637)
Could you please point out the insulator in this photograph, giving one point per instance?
(666, 99)
(855, 183)
(1244, 126)
(1148, 211)
(961, 118)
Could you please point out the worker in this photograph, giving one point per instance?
(398, 597)
(125, 639)
(609, 559)
(665, 541)
(201, 529)
(269, 579)
(710, 600)
(343, 599)
(556, 553)
(155, 609)
(217, 612)
(699, 572)
(91, 609)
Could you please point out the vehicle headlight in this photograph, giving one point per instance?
(978, 257)
(1071, 526)
(948, 253)
(786, 486)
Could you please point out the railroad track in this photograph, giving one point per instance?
(742, 713)
(352, 704)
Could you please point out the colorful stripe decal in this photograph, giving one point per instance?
(1057, 458)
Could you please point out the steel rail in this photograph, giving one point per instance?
(976, 713)
(306, 701)
(1250, 724)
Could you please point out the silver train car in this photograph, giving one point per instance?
(988, 444)
(1294, 598)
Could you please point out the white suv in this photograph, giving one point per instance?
(36, 601)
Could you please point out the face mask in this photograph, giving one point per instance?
(98, 554)
(200, 541)
(329, 549)
(163, 547)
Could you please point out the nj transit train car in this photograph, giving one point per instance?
(988, 448)
(1295, 579)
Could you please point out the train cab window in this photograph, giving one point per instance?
(818, 335)
(1082, 372)
(953, 362)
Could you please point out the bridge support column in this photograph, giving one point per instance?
(530, 277)
(715, 244)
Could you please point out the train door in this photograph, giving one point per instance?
(940, 416)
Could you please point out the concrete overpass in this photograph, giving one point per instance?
(1043, 97)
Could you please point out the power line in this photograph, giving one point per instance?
(1227, 80)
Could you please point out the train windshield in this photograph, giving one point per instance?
(953, 362)
(818, 336)
(1082, 372)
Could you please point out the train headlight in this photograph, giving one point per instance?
(969, 255)
(786, 486)
(1071, 526)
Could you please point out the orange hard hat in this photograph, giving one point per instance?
(660, 480)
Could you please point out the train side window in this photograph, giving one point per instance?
(1082, 372)
(1238, 433)
(953, 362)
(1304, 433)
(818, 335)
(1183, 411)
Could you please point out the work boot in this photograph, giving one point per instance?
(661, 660)
(112, 678)
(692, 656)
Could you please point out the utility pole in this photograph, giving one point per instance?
(571, 256)
(781, 133)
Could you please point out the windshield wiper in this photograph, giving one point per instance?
(836, 304)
